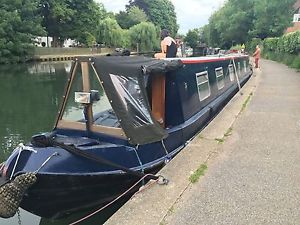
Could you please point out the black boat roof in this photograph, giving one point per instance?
(134, 66)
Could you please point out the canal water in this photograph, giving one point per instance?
(30, 95)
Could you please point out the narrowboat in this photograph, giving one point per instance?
(121, 117)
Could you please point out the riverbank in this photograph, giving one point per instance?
(65, 54)
(251, 152)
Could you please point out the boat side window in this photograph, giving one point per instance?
(203, 85)
(220, 77)
(103, 113)
(231, 72)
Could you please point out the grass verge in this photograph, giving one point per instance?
(198, 173)
(246, 102)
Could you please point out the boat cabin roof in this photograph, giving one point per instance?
(119, 101)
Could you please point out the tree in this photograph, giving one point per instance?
(239, 21)
(213, 34)
(71, 19)
(19, 24)
(160, 12)
(270, 20)
(231, 23)
(133, 16)
(192, 38)
(144, 36)
(56, 16)
(111, 34)
(86, 19)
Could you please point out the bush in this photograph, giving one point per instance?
(270, 44)
(291, 60)
(296, 62)
(289, 43)
(251, 45)
(285, 49)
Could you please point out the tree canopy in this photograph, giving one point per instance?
(131, 17)
(19, 24)
(145, 36)
(192, 38)
(73, 19)
(110, 33)
(270, 14)
(160, 12)
(240, 21)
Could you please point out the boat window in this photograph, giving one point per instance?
(129, 92)
(203, 85)
(74, 111)
(220, 77)
(231, 72)
(103, 113)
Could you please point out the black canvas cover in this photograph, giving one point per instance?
(123, 79)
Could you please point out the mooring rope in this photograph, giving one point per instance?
(167, 157)
(139, 159)
(21, 147)
(96, 158)
(120, 196)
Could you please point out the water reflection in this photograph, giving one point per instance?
(49, 68)
(30, 95)
(29, 98)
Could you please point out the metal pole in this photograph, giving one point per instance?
(236, 75)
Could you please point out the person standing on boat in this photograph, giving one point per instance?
(168, 46)
(256, 56)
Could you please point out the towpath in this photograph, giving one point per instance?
(252, 151)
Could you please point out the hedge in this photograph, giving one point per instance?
(291, 60)
(288, 43)
(251, 45)
(285, 49)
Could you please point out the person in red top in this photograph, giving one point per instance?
(256, 56)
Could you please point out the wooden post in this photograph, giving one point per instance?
(158, 98)
(86, 88)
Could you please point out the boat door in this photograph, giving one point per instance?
(158, 97)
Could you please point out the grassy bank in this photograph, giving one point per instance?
(290, 60)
